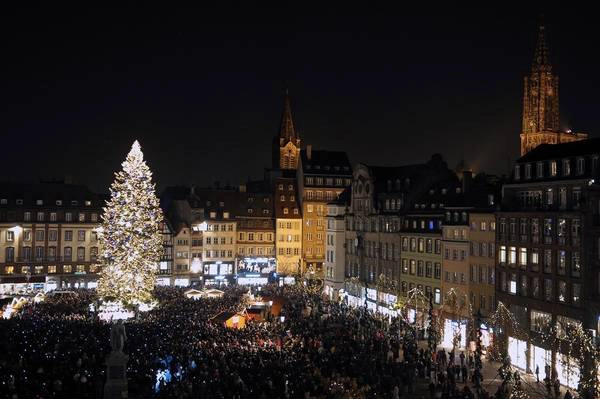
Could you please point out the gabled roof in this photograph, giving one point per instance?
(545, 152)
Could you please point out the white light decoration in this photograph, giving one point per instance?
(130, 235)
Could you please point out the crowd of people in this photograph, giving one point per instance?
(319, 349)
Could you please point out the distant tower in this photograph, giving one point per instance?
(540, 102)
(286, 146)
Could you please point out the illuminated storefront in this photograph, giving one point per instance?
(257, 265)
(252, 279)
(517, 350)
(567, 370)
(452, 329)
(540, 357)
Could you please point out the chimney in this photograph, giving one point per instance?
(467, 180)
(309, 151)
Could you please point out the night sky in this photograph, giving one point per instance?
(202, 88)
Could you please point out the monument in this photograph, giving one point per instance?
(116, 364)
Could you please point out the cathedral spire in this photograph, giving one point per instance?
(287, 130)
(541, 59)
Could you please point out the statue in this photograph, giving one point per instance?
(117, 336)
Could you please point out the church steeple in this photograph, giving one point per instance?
(541, 59)
(286, 146)
(541, 123)
(540, 99)
(287, 131)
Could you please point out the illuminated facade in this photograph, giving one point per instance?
(288, 222)
(540, 103)
(335, 254)
(548, 250)
(322, 177)
(255, 233)
(48, 236)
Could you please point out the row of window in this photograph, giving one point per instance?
(288, 237)
(52, 235)
(218, 253)
(376, 225)
(39, 202)
(256, 250)
(542, 169)
(541, 322)
(286, 211)
(219, 241)
(426, 245)
(553, 290)
(49, 254)
(559, 227)
(309, 236)
(529, 259)
(258, 236)
(318, 195)
(393, 204)
(288, 251)
(310, 251)
(421, 268)
(51, 269)
(550, 198)
(220, 227)
(288, 225)
(328, 181)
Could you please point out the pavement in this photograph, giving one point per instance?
(491, 380)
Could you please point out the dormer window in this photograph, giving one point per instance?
(517, 172)
(250, 210)
(540, 170)
(457, 190)
(58, 202)
(88, 203)
(19, 201)
(225, 215)
(213, 215)
(285, 211)
(3, 201)
(74, 203)
(326, 167)
(221, 204)
(444, 191)
(39, 202)
(290, 187)
(431, 191)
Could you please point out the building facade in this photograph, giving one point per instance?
(48, 236)
(548, 241)
(256, 237)
(322, 177)
(335, 252)
(288, 221)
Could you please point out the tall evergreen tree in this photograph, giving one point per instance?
(130, 237)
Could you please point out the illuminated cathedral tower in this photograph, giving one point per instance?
(540, 103)
(286, 146)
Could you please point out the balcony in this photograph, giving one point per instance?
(164, 272)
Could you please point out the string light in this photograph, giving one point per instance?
(130, 235)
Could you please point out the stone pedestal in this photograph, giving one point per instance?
(116, 375)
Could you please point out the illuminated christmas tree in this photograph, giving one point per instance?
(130, 237)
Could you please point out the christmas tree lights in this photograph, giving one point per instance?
(130, 235)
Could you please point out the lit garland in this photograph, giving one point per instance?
(130, 235)
(577, 349)
(504, 324)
